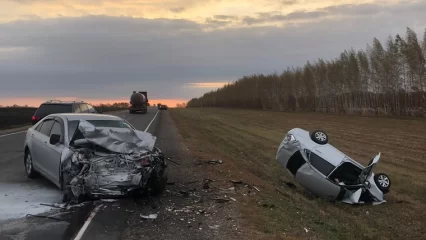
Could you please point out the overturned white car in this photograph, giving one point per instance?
(327, 172)
(92, 155)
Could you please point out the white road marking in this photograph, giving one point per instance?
(151, 121)
(93, 213)
(86, 224)
(10, 134)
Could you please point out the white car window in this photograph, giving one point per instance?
(56, 129)
(320, 164)
(45, 128)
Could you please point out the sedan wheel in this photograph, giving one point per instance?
(319, 137)
(29, 169)
(383, 182)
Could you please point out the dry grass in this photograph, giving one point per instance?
(247, 141)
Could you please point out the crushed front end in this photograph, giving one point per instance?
(91, 169)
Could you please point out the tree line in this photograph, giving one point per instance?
(384, 79)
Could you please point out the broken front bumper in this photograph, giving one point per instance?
(88, 174)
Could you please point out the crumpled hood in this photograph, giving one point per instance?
(118, 140)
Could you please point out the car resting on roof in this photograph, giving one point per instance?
(325, 171)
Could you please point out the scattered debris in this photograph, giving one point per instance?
(236, 182)
(221, 200)
(184, 193)
(206, 183)
(214, 161)
(169, 159)
(233, 199)
(265, 205)
(239, 182)
(214, 227)
(41, 216)
(108, 200)
(149, 217)
(279, 191)
(290, 185)
(306, 230)
(55, 205)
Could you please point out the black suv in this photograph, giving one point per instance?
(55, 106)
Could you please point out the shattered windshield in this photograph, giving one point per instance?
(72, 125)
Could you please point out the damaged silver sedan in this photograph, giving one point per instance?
(327, 172)
(90, 156)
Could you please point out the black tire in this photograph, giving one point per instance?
(28, 163)
(383, 182)
(319, 137)
(158, 183)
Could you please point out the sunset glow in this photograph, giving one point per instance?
(35, 102)
(198, 11)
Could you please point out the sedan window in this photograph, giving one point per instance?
(320, 164)
(56, 129)
(45, 128)
(38, 127)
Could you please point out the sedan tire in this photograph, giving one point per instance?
(383, 182)
(29, 168)
(319, 137)
(158, 182)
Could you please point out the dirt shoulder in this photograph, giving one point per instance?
(246, 141)
(187, 209)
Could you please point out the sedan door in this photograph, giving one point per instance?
(53, 152)
(38, 148)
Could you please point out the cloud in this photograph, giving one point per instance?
(177, 9)
(102, 57)
(225, 17)
(289, 2)
(344, 10)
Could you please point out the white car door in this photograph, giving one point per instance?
(39, 143)
(53, 152)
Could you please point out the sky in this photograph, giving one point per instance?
(103, 50)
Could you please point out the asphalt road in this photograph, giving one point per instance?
(20, 196)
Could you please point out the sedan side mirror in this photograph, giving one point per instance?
(54, 139)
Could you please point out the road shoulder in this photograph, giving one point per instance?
(187, 209)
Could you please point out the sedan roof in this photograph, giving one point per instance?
(86, 116)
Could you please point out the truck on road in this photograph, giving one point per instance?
(138, 102)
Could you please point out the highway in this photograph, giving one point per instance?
(20, 196)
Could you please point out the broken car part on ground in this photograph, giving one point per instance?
(111, 162)
(327, 172)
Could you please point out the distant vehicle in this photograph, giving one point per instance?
(329, 173)
(138, 102)
(159, 105)
(163, 107)
(74, 152)
(57, 106)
